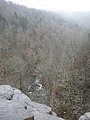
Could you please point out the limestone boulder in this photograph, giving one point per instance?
(86, 116)
(15, 105)
(6, 92)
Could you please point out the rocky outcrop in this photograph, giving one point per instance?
(86, 116)
(14, 105)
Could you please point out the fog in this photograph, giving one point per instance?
(56, 5)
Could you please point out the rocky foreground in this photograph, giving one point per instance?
(86, 116)
(14, 105)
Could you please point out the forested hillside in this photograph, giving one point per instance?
(47, 56)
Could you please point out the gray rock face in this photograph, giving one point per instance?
(86, 116)
(6, 92)
(14, 105)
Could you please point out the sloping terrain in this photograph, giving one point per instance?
(47, 56)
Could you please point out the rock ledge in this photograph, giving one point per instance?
(14, 105)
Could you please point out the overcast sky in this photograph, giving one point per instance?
(64, 5)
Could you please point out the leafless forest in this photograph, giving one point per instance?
(47, 56)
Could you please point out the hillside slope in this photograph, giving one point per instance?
(46, 55)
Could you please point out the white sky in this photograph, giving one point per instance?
(59, 5)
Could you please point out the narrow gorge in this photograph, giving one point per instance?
(47, 56)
